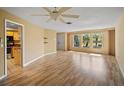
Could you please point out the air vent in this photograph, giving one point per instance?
(68, 22)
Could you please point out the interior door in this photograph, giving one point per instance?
(60, 41)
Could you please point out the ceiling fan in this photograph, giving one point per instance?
(57, 14)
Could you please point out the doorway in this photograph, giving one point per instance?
(13, 46)
(60, 41)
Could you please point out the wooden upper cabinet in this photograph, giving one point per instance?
(16, 36)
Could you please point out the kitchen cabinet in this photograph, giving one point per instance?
(17, 55)
(16, 36)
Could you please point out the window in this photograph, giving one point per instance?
(86, 40)
(97, 40)
(76, 41)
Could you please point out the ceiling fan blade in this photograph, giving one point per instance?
(63, 9)
(40, 15)
(62, 20)
(70, 16)
(47, 9)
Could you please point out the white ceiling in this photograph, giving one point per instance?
(90, 17)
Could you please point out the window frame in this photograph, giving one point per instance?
(101, 40)
(79, 36)
(89, 43)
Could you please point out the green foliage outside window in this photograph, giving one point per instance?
(76, 41)
(97, 40)
(86, 40)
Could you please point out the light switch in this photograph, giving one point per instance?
(1, 42)
(1, 45)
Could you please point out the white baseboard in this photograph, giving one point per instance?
(26, 64)
(2, 77)
(49, 53)
(121, 69)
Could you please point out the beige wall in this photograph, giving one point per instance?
(66, 41)
(119, 32)
(1, 49)
(50, 45)
(33, 39)
(103, 50)
(112, 42)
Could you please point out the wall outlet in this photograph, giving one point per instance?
(1, 45)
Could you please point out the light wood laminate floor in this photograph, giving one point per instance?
(66, 68)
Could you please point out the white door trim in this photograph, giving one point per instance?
(5, 50)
